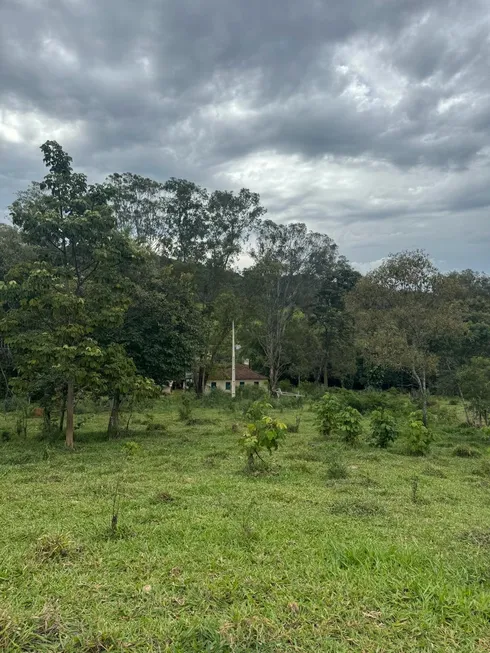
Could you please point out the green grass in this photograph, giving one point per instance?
(208, 558)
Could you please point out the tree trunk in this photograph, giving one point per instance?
(200, 380)
(63, 410)
(47, 421)
(423, 392)
(273, 379)
(70, 410)
(461, 396)
(325, 374)
(113, 428)
(424, 401)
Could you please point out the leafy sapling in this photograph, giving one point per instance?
(327, 410)
(383, 428)
(349, 423)
(262, 433)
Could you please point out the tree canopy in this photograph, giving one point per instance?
(115, 288)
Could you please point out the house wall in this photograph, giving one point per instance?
(221, 385)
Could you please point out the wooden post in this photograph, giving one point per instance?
(70, 401)
(233, 373)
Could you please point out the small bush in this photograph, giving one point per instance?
(257, 410)
(286, 386)
(477, 537)
(312, 391)
(251, 392)
(349, 423)
(465, 451)
(263, 433)
(337, 470)
(185, 407)
(414, 489)
(363, 401)
(483, 469)
(383, 428)
(131, 448)
(294, 428)
(54, 546)
(163, 497)
(217, 399)
(432, 470)
(154, 427)
(327, 410)
(418, 436)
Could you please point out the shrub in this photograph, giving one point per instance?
(311, 390)
(327, 410)
(156, 427)
(152, 425)
(185, 407)
(257, 409)
(54, 546)
(483, 469)
(251, 392)
(465, 451)
(418, 436)
(363, 401)
(286, 386)
(263, 433)
(294, 428)
(131, 448)
(217, 399)
(383, 428)
(337, 470)
(349, 423)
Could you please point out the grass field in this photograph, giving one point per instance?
(394, 557)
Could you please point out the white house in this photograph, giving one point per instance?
(220, 378)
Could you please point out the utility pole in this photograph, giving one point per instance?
(233, 375)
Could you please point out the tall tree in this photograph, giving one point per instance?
(232, 217)
(161, 327)
(402, 310)
(187, 219)
(284, 257)
(140, 209)
(55, 304)
(332, 279)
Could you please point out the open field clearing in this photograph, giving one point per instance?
(332, 549)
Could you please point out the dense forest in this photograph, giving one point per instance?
(113, 289)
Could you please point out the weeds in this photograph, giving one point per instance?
(163, 497)
(465, 451)
(414, 489)
(337, 470)
(185, 407)
(294, 428)
(354, 508)
(478, 537)
(54, 546)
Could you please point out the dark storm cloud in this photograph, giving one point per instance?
(198, 89)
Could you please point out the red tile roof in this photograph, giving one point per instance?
(242, 373)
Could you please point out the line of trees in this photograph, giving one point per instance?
(113, 289)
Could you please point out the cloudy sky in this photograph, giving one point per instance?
(367, 119)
